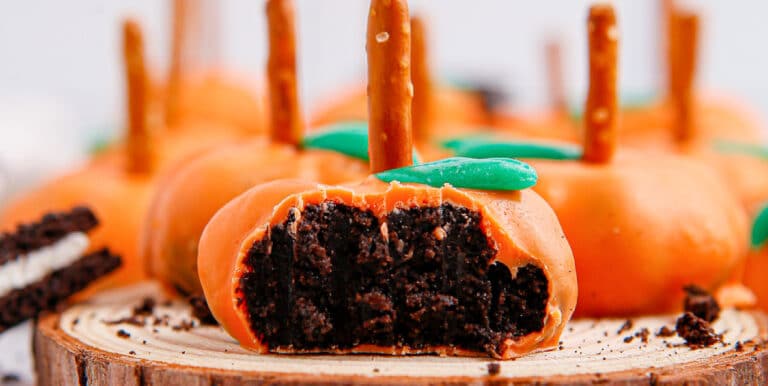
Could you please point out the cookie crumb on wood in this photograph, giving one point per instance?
(665, 332)
(625, 327)
(701, 303)
(147, 307)
(696, 331)
(643, 335)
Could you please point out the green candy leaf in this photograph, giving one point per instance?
(728, 147)
(760, 228)
(485, 174)
(348, 138)
(475, 148)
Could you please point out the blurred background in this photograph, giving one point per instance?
(61, 81)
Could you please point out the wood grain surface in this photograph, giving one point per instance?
(89, 344)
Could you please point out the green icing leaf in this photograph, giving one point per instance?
(485, 174)
(760, 228)
(759, 151)
(476, 148)
(348, 138)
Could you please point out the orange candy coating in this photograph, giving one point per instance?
(719, 118)
(523, 226)
(641, 228)
(755, 274)
(218, 99)
(189, 197)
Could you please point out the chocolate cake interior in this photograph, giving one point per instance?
(327, 278)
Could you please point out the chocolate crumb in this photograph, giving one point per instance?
(201, 311)
(376, 370)
(132, 352)
(739, 347)
(701, 303)
(143, 342)
(625, 327)
(123, 334)
(643, 335)
(629, 339)
(75, 321)
(147, 307)
(161, 321)
(665, 332)
(494, 368)
(696, 331)
(185, 325)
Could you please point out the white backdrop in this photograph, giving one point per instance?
(60, 77)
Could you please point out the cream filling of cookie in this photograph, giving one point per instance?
(34, 266)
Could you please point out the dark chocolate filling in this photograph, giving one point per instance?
(328, 279)
(50, 229)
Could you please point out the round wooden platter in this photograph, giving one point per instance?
(87, 344)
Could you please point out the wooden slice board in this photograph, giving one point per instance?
(83, 346)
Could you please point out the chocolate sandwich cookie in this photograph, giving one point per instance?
(44, 263)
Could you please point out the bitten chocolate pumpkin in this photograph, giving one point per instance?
(431, 264)
(179, 211)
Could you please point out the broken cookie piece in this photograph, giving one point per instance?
(44, 263)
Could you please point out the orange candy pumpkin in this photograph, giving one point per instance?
(641, 226)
